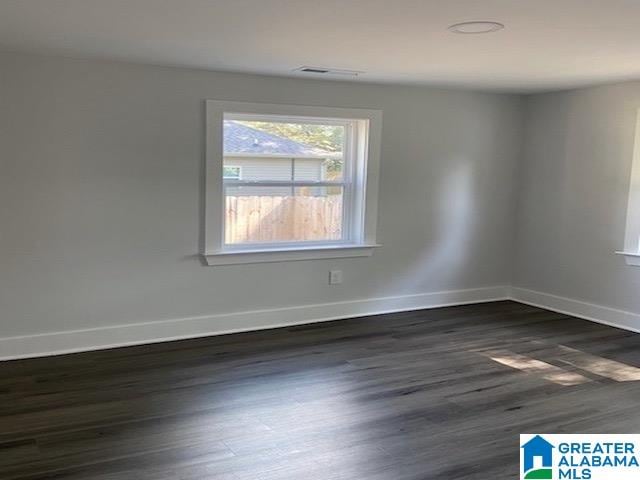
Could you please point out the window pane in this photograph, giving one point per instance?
(279, 151)
(333, 169)
(282, 214)
(231, 173)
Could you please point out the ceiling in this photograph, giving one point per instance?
(546, 45)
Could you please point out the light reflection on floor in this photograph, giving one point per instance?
(575, 359)
(604, 367)
(536, 367)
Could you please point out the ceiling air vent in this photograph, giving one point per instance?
(327, 71)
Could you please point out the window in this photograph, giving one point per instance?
(299, 181)
(230, 172)
(631, 250)
(290, 182)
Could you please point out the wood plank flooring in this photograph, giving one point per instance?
(435, 394)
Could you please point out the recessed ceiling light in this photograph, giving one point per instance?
(476, 27)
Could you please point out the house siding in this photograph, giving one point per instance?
(306, 169)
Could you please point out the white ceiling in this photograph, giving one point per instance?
(547, 44)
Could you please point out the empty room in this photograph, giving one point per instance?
(319, 239)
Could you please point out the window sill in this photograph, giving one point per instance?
(234, 257)
(632, 258)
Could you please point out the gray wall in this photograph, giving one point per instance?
(573, 195)
(100, 187)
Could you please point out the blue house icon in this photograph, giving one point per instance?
(537, 447)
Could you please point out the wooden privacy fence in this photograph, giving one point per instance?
(273, 218)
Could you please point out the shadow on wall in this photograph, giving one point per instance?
(448, 242)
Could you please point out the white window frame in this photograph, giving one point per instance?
(360, 201)
(631, 249)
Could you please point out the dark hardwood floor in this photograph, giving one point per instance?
(436, 394)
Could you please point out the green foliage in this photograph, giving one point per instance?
(324, 137)
(329, 138)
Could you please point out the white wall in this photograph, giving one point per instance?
(100, 195)
(573, 200)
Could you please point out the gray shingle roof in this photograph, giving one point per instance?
(239, 138)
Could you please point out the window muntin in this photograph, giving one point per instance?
(298, 181)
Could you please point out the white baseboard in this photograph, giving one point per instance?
(151, 332)
(576, 308)
(57, 343)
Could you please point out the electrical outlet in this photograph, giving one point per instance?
(335, 277)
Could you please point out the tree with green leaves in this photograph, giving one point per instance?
(329, 138)
(325, 137)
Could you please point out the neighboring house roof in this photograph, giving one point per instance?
(241, 139)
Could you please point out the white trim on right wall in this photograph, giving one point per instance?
(577, 308)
